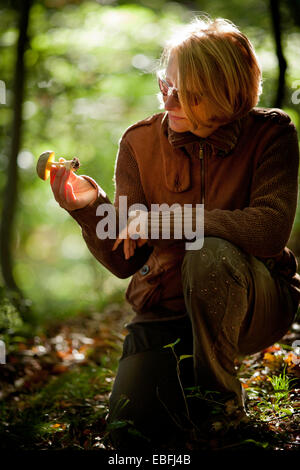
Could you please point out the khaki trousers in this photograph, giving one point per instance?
(236, 306)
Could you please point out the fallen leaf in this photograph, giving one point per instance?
(273, 348)
(58, 425)
(291, 359)
(269, 357)
(245, 385)
(59, 368)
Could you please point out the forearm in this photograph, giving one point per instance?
(101, 248)
(258, 231)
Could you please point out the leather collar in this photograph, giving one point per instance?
(222, 140)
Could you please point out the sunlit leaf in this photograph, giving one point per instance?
(171, 345)
(185, 356)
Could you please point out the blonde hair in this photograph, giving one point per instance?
(217, 61)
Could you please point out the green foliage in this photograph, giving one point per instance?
(171, 345)
(89, 77)
(273, 402)
(12, 328)
(73, 386)
(281, 384)
(278, 402)
(70, 404)
(49, 401)
(10, 320)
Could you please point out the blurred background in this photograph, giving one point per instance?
(74, 75)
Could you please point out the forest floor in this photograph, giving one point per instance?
(55, 385)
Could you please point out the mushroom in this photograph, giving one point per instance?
(46, 161)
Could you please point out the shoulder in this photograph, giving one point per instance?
(273, 133)
(269, 126)
(144, 127)
(271, 117)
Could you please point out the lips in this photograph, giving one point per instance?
(175, 118)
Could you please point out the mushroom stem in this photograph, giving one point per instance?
(67, 164)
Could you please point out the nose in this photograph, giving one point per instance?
(171, 103)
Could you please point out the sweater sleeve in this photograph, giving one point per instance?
(263, 229)
(127, 183)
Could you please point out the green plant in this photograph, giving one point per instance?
(281, 385)
(274, 403)
(12, 327)
(178, 360)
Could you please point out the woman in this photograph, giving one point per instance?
(239, 292)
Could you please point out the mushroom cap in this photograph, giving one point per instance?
(41, 166)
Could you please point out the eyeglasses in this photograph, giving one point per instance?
(168, 90)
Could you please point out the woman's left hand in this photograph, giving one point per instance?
(129, 243)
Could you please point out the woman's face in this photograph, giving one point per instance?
(178, 120)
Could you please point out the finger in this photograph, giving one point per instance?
(117, 243)
(122, 235)
(53, 172)
(127, 244)
(70, 195)
(57, 183)
(127, 248)
(63, 184)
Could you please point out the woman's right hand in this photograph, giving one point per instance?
(70, 190)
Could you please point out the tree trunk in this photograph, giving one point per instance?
(11, 188)
(276, 23)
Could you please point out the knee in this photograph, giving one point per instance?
(217, 256)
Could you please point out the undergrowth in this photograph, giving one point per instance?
(55, 388)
